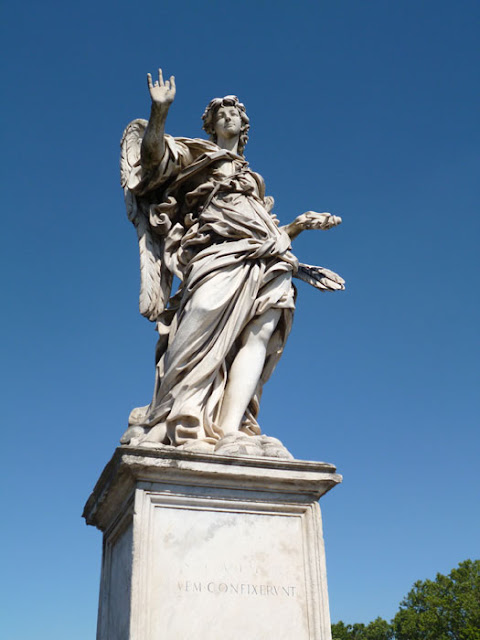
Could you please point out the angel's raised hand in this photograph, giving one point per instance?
(162, 92)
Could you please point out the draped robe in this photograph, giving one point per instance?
(234, 264)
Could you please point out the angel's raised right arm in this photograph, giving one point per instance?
(153, 144)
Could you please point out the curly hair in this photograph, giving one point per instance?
(209, 119)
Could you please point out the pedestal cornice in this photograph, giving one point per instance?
(296, 480)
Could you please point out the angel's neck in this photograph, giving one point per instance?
(230, 144)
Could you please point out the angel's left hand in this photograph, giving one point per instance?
(314, 220)
(311, 220)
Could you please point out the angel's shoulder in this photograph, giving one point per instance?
(196, 146)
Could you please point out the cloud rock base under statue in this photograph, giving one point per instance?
(233, 444)
(212, 546)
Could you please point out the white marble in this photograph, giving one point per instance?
(210, 546)
(203, 215)
(116, 584)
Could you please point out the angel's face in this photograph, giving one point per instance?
(227, 123)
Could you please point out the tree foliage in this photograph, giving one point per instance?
(379, 629)
(447, 608)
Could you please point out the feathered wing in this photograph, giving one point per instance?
(155, 278)
(320, 277)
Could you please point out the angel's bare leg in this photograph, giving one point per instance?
(246, 370)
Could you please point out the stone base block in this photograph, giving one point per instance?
(211, 547)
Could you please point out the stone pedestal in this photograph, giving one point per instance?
(211, 547)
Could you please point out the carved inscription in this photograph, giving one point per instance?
(240, 589)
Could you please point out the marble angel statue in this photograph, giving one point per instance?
(201, 214)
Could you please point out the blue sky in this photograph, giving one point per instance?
(364, 109)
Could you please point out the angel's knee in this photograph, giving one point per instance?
(199, 305)
(261, 329)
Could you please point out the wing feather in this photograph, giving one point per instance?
(155, 278)
(130, 148)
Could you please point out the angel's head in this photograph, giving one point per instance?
(227, 117)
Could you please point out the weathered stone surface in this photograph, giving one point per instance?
(211, 546)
